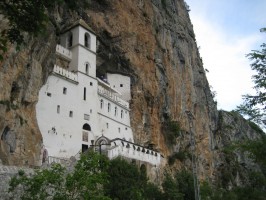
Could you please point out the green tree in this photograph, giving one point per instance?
(152, 192)
(180, 187)
(170, 189)
(127, 181)
(254, 105)
(84, 182)
(28, 17)
(36, 186)
(88, 177)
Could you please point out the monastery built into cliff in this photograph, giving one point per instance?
(77, 111)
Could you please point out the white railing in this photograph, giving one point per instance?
(112, 96)
(62, 161)
(133, 151)
(65, 73)
(62, 51)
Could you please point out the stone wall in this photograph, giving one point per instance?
(6, 173)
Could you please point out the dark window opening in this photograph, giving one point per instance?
(64, 90)
(84, 94)
(84, 148)
(87, 68)
(87, 40)
(109, 107)
(115, 111)
(86, 127)
(70, 113)
(101, 103)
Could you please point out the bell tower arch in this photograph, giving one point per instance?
(81, 41)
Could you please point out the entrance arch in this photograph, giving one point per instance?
(86, 129)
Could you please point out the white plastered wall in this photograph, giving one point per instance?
(121, 83)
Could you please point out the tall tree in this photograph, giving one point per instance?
(254, 105)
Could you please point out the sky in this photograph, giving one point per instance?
(227, 30)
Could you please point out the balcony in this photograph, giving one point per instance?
(111, 95)
(63, 52)
(131, 150)
(65, 73)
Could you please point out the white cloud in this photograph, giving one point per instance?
(224, 56)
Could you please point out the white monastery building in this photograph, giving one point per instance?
(76, 110)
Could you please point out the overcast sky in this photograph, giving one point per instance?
(227, 30)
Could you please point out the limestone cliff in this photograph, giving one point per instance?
(151, 41)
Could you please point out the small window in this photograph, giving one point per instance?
(107, 125)
(70, 113)
(121, 85)
(87, 68)
(90, 110)
(109, 107)
(91, 84)
(126, 128)
(115, 111)
(49, 94)
(122, 113)
(101, 104)
(118, 130)
(86, 117)
(58, 109)
(84, 94)
(64, 90)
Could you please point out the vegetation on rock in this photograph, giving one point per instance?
(28, 17)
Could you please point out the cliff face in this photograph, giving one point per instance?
(151, 41)
(22, 73)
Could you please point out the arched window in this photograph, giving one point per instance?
(101, 101)
(86, 127)
(69, 40)
(109, 107)
(87, 40)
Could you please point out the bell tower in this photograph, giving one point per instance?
(81, 41)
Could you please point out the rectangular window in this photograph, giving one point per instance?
(107, 125)
(121, 85)
(58, 109)
(109, 107)
(49, 94)
(64, 90)
(86, 117)
(70, 113)
(118, 130)
(91, 84)
(85, 136)
(84, 94)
